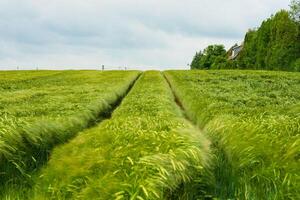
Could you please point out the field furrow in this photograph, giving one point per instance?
(151, 135)
(146, 150)
(40, 113)
(253, 121)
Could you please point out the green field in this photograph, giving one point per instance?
(253, 121)
(41, 109)
(149, 135)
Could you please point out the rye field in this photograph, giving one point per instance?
(225, 134)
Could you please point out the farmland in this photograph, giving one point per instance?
(151, 135)
(253, 121)
(40, 109)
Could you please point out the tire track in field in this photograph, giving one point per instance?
(219, 164)
(202, 190)
(178, 102)
(12, 174)
(107, 114)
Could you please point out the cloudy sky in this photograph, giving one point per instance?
(158, 34)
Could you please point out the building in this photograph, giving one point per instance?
(234, 51)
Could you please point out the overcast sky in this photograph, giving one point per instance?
(158, 34)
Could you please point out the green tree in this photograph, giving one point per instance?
(206, 59)
(247, 56)
(295, 10)
(296, 65)
(284, 47)
(275, 45)
(196, 60)
(220, 62)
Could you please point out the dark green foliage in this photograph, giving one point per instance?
(220, 62)
(296, 65)
(249, 51)
(211, 57)
(275, 45)
(196, 60)
(295, 10)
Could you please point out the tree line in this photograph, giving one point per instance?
(275, 45)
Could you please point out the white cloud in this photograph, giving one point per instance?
(83, 34)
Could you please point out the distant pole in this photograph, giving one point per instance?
(17, 68)
(37, 68)
(102, 67)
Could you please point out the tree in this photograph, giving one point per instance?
(273, 46)
(284, 47)
(247, 56)
(206, 59)
(220, 62)
(196, 60)
(295, 10)
(296, 65)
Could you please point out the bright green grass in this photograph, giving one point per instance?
(57, 94)
(13, 76)
(40, 109)
(147, 150)
(253, 120)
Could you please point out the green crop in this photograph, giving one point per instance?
(173, 135)
(41, 109)
(147, 150)
(253, 120)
